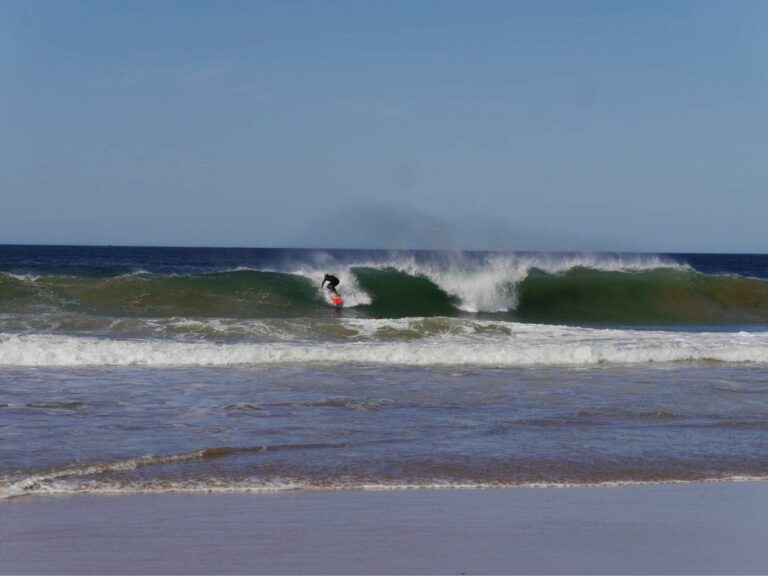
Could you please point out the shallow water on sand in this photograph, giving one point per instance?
(136, 429)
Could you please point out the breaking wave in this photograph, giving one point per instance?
(457, 342)
(541, 288)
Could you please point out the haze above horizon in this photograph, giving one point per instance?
(611, 126)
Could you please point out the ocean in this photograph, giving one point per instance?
(195, 369)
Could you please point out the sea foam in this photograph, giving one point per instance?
(517, 345)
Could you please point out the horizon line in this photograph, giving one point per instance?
(378, 249)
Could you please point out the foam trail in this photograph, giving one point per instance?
(37, 482)
(521, 345)
(30, 483)
(256, 485)
(28, 278)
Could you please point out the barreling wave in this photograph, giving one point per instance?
(545, 290)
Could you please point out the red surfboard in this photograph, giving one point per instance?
(336, 299)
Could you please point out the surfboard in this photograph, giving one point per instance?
(336, 299)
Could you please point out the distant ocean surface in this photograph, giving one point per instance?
(191, 369)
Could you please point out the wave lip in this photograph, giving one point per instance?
(517, 345)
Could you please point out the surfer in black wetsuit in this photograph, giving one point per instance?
(332, 282)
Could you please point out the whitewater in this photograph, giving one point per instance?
(460, 343)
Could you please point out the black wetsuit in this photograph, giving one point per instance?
(332, 282)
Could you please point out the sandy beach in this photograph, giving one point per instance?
(653, 529)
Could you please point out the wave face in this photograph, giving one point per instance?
(660, 296)
(602, 289)
(237, 294)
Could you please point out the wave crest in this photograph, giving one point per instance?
(540, 288)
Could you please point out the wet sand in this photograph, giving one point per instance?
(691, 528)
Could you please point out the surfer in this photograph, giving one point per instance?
(332, 283)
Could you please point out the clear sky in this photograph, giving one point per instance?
(575, 125)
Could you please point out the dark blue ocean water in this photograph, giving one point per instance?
(112, 260)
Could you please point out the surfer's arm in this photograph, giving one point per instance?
(324, 281)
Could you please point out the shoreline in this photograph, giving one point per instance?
(18, 490)
(703, 528)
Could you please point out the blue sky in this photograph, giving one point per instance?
(511, 125)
